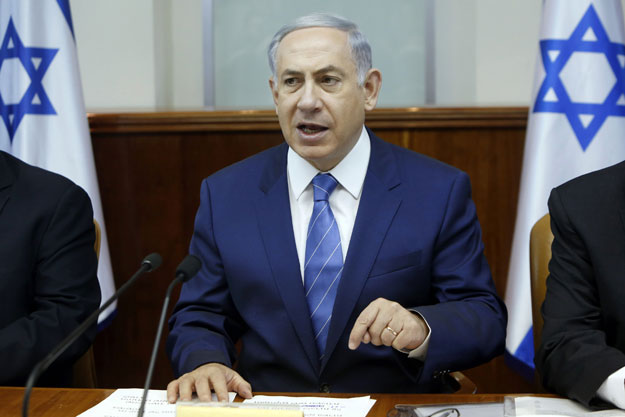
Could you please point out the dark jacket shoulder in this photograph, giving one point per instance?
(595, 191)
(37, 178)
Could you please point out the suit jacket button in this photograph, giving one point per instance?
(324, 388)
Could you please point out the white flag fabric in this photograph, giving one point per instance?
(576, 125)
(44, 122)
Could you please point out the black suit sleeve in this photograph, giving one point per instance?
(574, 358)
(58, 247)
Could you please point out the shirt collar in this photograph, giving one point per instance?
(350, 172)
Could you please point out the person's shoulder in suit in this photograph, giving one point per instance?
(415, 167)
(248, 170)
(37, 182)
(594, 190)
(418, 160)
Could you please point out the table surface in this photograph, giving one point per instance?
(67, 402)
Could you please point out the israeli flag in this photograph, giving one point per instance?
(44, 122)
(576, 125)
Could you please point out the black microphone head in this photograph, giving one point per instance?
(188, 267)
(153, 261)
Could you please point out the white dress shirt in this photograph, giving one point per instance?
(350, 174)
(613, 388)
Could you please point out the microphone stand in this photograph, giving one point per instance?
(148, 264)
(185, 271)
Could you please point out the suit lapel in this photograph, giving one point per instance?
(276, 228)
(378, 205)
(6, 180)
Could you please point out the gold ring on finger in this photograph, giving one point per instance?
(392, 331)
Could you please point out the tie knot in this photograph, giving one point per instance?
(323, 185)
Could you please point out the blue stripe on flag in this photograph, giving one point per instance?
(107, 320)
(64, 5)
(525, 351)
(522, 360)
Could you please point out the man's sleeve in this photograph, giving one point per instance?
(573, 358)
(65, 290)
(205, 324)
(468, 319)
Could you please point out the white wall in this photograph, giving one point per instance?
(454, 52)
(139, 54)
(115, 40)
(506, 50)
(147, 54)
(178, 34)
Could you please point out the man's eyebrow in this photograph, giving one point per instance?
(289, 72)
(324, 70)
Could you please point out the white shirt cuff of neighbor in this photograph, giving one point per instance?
(420, 352)
(613, 388)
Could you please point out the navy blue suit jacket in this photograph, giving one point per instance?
(416, 240)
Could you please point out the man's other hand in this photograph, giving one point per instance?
(206, 378)
(385, 322)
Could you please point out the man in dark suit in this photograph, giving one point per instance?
(343, 263)
(48, 281)
(582, 352)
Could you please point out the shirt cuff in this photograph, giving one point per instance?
(420, 352)
(613, 388)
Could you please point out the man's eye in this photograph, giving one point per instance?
(329, 80)
(290, 82)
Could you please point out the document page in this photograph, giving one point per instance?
(553, 407)
(125, 403)
(321, 406)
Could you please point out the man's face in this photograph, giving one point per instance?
(320, 106)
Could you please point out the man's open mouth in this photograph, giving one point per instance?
(311, 129)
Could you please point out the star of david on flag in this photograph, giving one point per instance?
(589, 37)
(44, 122)
(575, 125)
(35, 62)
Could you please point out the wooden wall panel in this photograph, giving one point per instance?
(150, 166)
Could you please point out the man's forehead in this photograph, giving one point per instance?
(312, 43)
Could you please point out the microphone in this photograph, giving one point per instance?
(148, 264)
(187, 269)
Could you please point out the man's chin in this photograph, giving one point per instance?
(321, 161)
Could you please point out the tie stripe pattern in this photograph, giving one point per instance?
(324, 260)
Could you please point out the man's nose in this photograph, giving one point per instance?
(309, 100)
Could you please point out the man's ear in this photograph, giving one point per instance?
(371, 86)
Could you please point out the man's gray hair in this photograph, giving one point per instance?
(361, 50)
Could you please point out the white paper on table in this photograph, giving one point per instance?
(125, 403)
(556, 407)
(321, 406)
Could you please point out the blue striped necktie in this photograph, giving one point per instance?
(324, 260)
